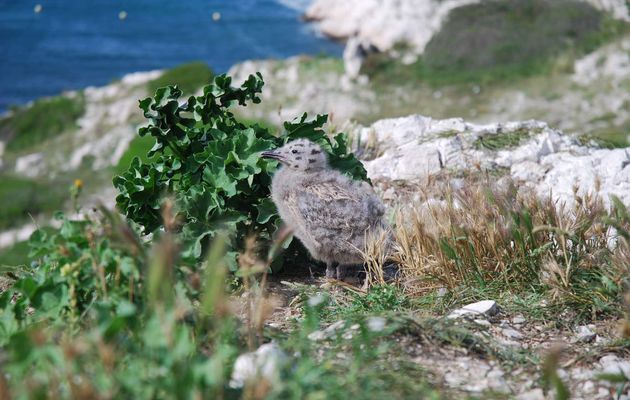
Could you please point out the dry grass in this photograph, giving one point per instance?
(500, 238)
(376, 253)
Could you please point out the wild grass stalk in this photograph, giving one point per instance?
(504, 239)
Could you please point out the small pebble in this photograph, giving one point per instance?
(518, 320)
(512, 334)
(585, 334)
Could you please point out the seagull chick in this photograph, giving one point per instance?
(327, 211)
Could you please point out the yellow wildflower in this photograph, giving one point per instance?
(66, 270)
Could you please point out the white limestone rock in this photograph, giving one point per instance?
(383, 23)
(354, 54)
(484, 307)
(30, 165)
(415, 147)
(265, 363)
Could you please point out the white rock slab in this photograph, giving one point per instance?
(484, 307)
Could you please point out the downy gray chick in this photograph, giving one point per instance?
(328, 211)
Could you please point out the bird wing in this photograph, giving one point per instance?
(314, 209)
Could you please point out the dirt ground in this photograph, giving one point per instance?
(508, 360)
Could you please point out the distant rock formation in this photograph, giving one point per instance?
(384, 23)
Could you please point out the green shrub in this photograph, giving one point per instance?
(210, 162)
(45, 119)
(188, 77)
(141, 145)
(21, 197)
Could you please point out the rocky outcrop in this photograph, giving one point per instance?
(532, 153)
(303, 84)
(383, 23)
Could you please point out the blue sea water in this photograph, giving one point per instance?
(72, 44)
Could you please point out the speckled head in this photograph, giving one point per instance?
(300, 155)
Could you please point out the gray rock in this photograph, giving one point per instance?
(534, 394)
(376, 324)
(383, 23)
(585, 334)
(512, 334)
(482, 322)
(588, 386)
(332, 329)
(518, 320)
(327, 333)
(484, 307)
(354, 54)
(30, 165)
(612, 364)
(317, 336)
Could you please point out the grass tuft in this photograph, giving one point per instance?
(502, 140)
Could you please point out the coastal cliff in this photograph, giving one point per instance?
(385, 23)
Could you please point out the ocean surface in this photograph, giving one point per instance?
(71, 44)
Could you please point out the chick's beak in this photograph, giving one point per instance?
(271, 154)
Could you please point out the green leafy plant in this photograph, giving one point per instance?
(210, 162)
(379, 299)
(89, 319)
(83, 265)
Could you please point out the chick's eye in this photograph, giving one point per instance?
(294, 151)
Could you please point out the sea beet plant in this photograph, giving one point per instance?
(210, 163)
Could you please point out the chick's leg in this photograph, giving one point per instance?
(331, 270)
(341, 271)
